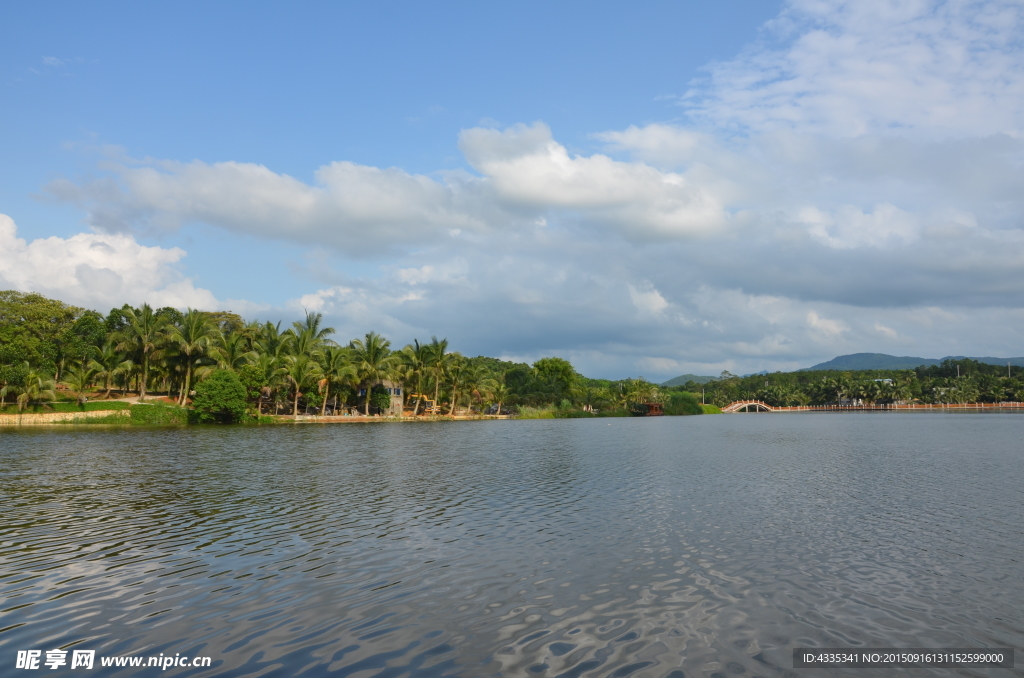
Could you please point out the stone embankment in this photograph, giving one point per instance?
(32, 419)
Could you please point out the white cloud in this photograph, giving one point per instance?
(353, 208)
(849, 227)
(525, 166)
(648, 300)
(825, 328)
(854, 67)
(97, 271)
(527, 178)
(886, 331)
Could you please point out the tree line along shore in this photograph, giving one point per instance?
(202, 366)
(197, 366)
(953, 382)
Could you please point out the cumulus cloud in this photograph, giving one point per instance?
(97, 270)
(353, 208)
(526, 176)
(525, 166)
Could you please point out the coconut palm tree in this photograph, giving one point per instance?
(80, 377)
(37, 387)
(231, 351)
(498, 392)
(271, 341)
(415, 360)
(300, 370)
(374, 362)
(336, 367)
(458, 373)
(140, 337)
(308, 337)
(191, 339)
(108, 363)
(437, 364)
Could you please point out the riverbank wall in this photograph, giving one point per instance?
(46, 418)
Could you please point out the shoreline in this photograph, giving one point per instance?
(78, 420)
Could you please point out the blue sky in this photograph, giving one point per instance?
(675, 187)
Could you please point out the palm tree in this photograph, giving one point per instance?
(80, 378)
(269, 369)
(191, 339)
(458, 376)
(335, 366)
(141, 337)
(437, 363)
(415, 358)
(37, 386)
(308, 337)
(271, 341)
(108, 364)
(300, 370)
(231, 351)
(499, 392)
(374, 362)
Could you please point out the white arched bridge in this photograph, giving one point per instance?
(748, 406)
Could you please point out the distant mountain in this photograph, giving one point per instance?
(883, 361)
(683, 378)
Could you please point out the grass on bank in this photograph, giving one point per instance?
(141, 415)
(677, 404)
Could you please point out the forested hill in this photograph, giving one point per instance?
(883, 361)
(684, 379)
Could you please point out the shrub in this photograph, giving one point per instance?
(683, 402)
(158, 415)
(381, 399)
(220, 398)
(526, 412)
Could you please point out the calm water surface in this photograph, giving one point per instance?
(679, 546)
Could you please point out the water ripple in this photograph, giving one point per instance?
(703, 546)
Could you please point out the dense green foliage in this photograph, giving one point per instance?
(952, 381)
(228, 369)
(220, 398)
(681, 402)
(50, 350)
(159, 415)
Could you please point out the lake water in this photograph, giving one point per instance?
(675, 546)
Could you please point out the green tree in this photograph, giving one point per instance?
(256, 382)
(336, 368)
(497, 391)
(231, 351)
(191, 338)
(300, 370)
(437, 363)
(36, 388)
(140, 337)
(80, 379)
(555, 377)
(459, 374)
(374, 362)
(220, 398)
(33, 327)
(415, 359)
(308, 337)
(107, 364)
